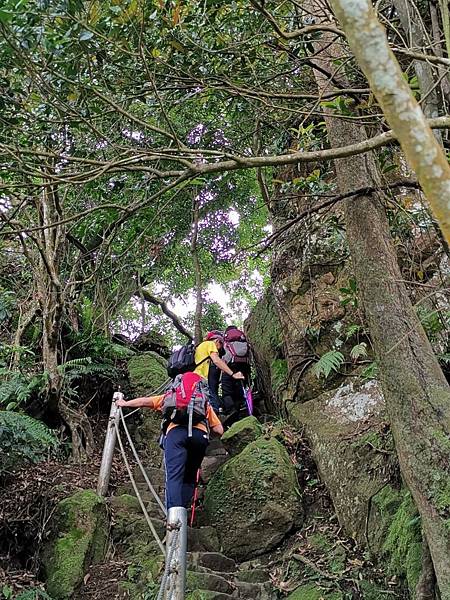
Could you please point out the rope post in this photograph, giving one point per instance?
(177, 537)
(108, 448)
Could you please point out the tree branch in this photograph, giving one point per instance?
(148, 297)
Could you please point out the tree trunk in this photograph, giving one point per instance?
(424, 71)
(416, 393)
(368, 41)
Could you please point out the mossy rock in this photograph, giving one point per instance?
(352, 465)
(402, 547)
(147, 372)
(314, 592)
(241, 434)
(263, 329)
(79, 539)
(253, 500)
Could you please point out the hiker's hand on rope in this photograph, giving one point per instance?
(238, 375)
(121, 402)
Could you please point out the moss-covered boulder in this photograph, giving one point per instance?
(351, 446)
(147, 372)
(263, 329)
(311, 591)
(253, 500)
(79, 540)
(241, 434)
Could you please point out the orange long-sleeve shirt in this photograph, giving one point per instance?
(211, 417)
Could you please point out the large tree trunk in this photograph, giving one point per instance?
(429, 92)
(416, 392)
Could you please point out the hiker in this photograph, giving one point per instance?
(185, 438)
(209, 365)
(214, 372)
(237, 356)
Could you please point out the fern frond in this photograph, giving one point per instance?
(359, 350)
(330, 361)
(33, 594)
(23, 439)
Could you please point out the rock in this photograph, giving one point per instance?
(152, 341)
(312, 591)
(203, 539)
(210, 464)
(352, 447)
(253, 500)
(395, 529)
(196, 580)
(79, 540)
(147, 372)
(241, 434)
(264, 333)
(253, 576)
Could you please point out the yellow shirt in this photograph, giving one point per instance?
(204, 350)
(211, 417)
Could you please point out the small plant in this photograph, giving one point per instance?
(23, 439)
(330, 361)
(358, 351)
(33, 594)
(350, 293)
(371, 371)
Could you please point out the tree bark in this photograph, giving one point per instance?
(166, 310)
(416, 392)
(369, 44)
(413, 28)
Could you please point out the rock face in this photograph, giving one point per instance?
(240, 434)
(79, 540)
(264, 333)
(253, 500)
(351, 447)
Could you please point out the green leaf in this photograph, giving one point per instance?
(85, 35)
(5, 16)
(330, 361)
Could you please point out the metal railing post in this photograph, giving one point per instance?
(177, 533)
(108, 448)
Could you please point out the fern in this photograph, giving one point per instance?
(359, 350)
(330, 361)
(33, 594)
(353, 330)
(371, 371)
(23, 439)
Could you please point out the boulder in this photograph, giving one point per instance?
(79, 540)
(352, 447)
(147, 372)
(263, 330)
(241, 434)
(253, 500)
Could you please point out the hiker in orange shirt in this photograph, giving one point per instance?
(186, 432)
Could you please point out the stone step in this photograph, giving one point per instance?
(215, 561)
(252, 576)
(203, 539)
(198, 580)
(253, 591)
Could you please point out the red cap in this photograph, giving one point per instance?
(214, 335)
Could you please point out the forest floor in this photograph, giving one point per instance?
(28, 498)
(317, 553)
